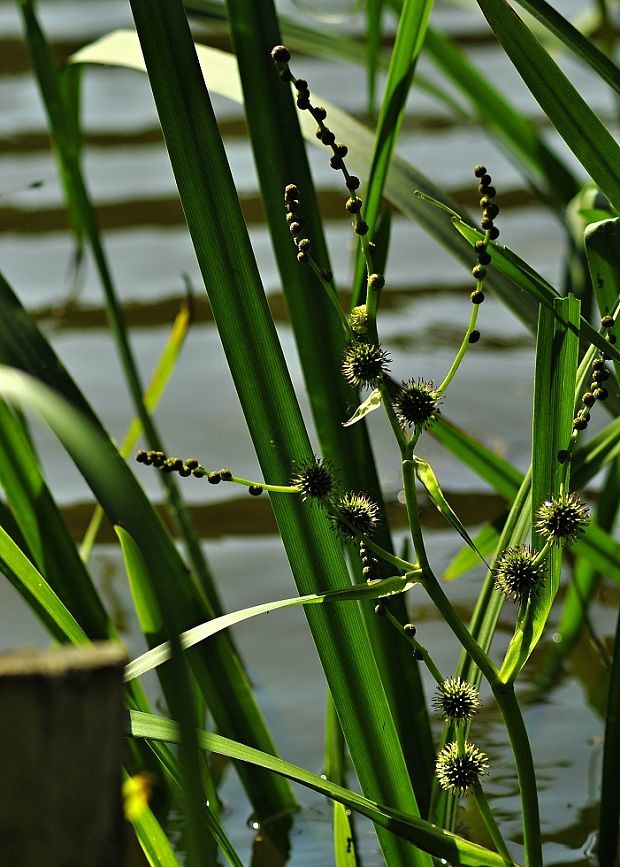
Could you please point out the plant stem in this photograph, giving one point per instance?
(489, 820)
(411, 500)
(463, 347)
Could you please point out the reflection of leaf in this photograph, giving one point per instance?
(372, 402)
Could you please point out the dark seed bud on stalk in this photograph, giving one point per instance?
(410, 630)
(485, 201)
(601, 394)
(477, 297)
(291, 192)
(302, 257)
(281, 54)
(342, 150)
(353, 182)
(600, 375)
(484, 258)
(336, 162)
(319, 113)
(301, 84)
(612, 338)
(486, 223)
(588, 399)
(480, 246)
(494, 233)
(361, 227)
(295, 226)
(579, 423)
(199, 472)
(598, 363)
(607, 321)
(214, 478)
(562, 456)
(255, 490)
(479, 272)
(225, 474)
(305, 244)
(379, 609)
(185, 472)
(480, 171)
(328, 137)
(474, 336)
(376, 281)
(354, 205)
(303, 101)
(485, 182)
(142, 457)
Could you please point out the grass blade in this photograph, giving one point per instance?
(583, 132)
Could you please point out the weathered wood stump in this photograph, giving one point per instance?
(61, 738)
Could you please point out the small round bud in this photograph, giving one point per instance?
(490, 192)
(607, 321)
(295, 227)
(379, 609)
(598, 363)
(486, 223)
(281, 54)
(302, 101)
(484, 258)
(612, 338)
(477, 297)
(353, 182)
(479, 272)
(600, 375)
(579, 423)
(410, 630)
(199, 472)
(494, 233)
(480, 246)
(480, 171)
(302, 257)
(291, 218)
(301, 84)
(491, 211)
(354, 205)
(485, 201)
(225, 474)
(142, 457)
(601, 394)
(214, 478)
(376, 281)
(342, 150)
(562, 456)
(474, 336)
(485, 181)
(328, 137)
(361, 227)
(305, 244)
(291, 192)
(255, 490)
(588, 399)
(319, 113)
(285, 75)
(185, 472)
(336, 162)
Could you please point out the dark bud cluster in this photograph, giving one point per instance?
(489, 212)
(370, 564)
(187, 467)
(296, 221)
(596, 391)
(281, 56)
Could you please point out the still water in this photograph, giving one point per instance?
(425, 314)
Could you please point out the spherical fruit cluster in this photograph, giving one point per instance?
(364, 364)
(360, 514)
(562, 519)
(456, 700)
(516, 573)
(316, 479)
(458, 772)
(416, 404)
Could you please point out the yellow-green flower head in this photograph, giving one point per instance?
(458, 773)
(516, 573)
(364, 364)
(360, 512)
(456, 700)
(417, 404)
(316, 479)
(562, 519)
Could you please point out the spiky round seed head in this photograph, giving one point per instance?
(494, 233)
(456, 700)
(474, 336)
(319, 113)
(358, 319)
(607, 321)
(142, 457)
(458, 773)
(280, 54)
(516, 573)
(562, 519)
(353, 205)
(601, 393)
(361, 227)
(364, 364)
(291, 192)
(480, 170)
(328, 137)
(315, 478)
(477, 297)
(376, 281)
(255, 490)
(353, 182)
(479, 272)
(416, 404)
(360, 512)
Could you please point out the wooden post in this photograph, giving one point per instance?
(61, 738)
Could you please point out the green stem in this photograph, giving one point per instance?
(489, 820)
(423, 654)
(463, 347)
(399, 433)
(333, 297)
(526, 775)
(413, 515)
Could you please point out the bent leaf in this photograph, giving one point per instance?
(372, 402)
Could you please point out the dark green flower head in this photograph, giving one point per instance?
(316, 479)
(417, 404)
(364, 364)
(360, 512)
(516, 573)
(458, 773)
(456, 700)
(562, 519)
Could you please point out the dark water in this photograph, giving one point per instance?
(425, 314)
